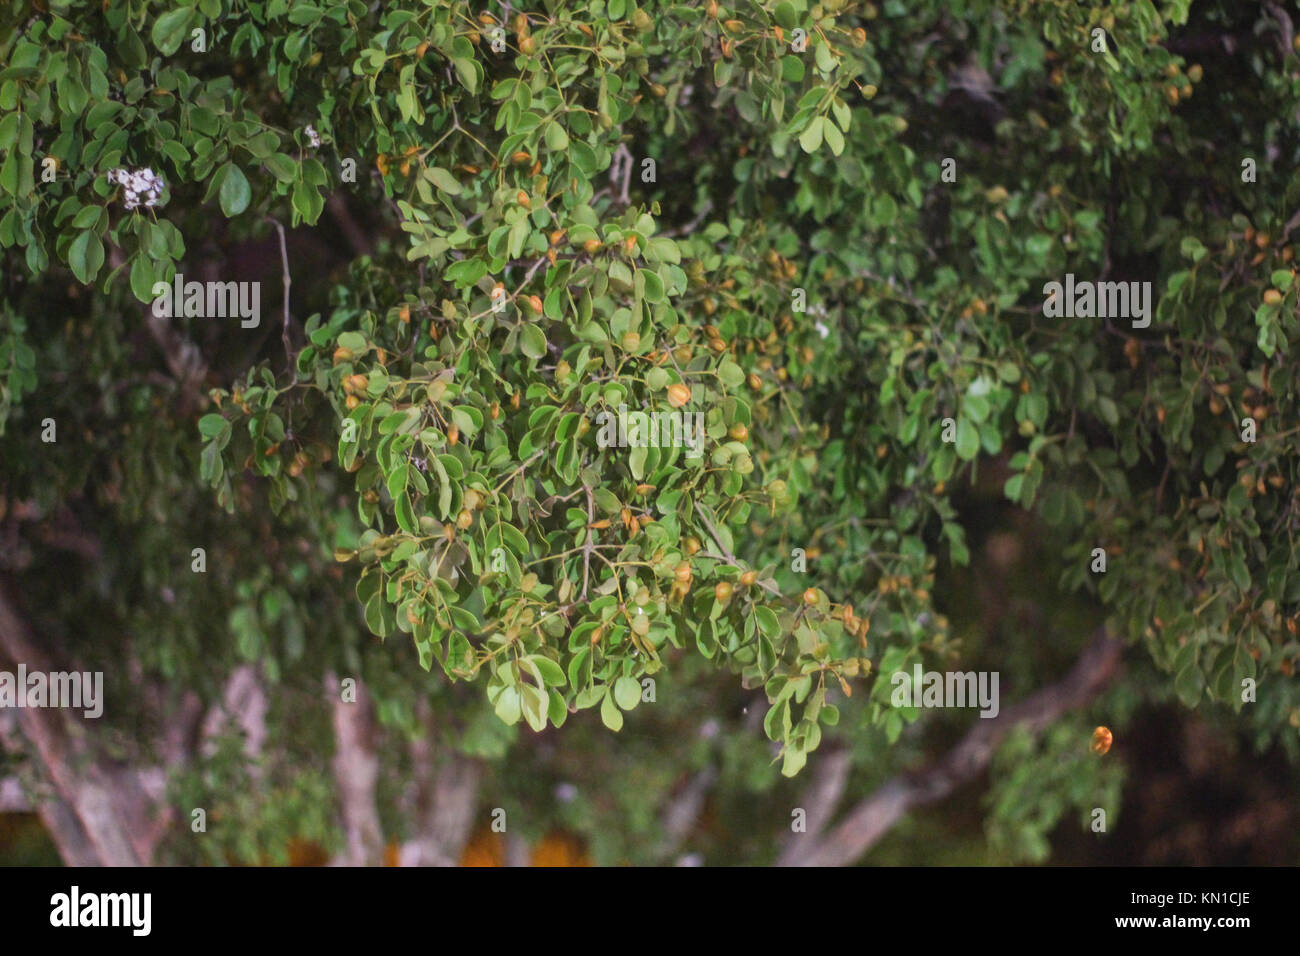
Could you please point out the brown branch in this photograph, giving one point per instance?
(60, 823)
(114, 818)
(1285, 27)
(621, 167)
(873, 817)
(683, 812)
(590, 543)
(445, 801)
(288, 281)
(184, 359)
(356, 771)
(244, 701)
(819, 801)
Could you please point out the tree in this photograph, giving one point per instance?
(660, 361)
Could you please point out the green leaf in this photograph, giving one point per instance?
(508, 706)
(532, 341)
(444, 180)
(1189, 682)
(282, 167)
(610, 715)
(793, 761)
(627, 692)
(169, 30)
(968, 439)
(212, 425)
(825, 58)
(405, 514)
(467, 70)
(535, 702)
(556, 138)
(235, 192)
(552, 673)
(834, 138)
(731, 374)
(85, 256)
(142, 277)
(811, 137)
(1013, 487)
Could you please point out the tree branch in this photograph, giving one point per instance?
(682, 813)
(59, 821)
(444, 804)
(114, 815)
(356, 770)
(288, 281)
(819, 801)
(873, 817)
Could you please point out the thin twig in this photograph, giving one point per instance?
(713, 533)
(288, 281)
(622, 166)
(587, 547)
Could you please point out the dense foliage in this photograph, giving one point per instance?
(536, 215)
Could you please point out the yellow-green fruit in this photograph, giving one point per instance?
(722, 591)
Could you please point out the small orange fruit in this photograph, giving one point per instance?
(1101, 740)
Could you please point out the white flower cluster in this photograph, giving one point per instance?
(141, 185)
(313, 137)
